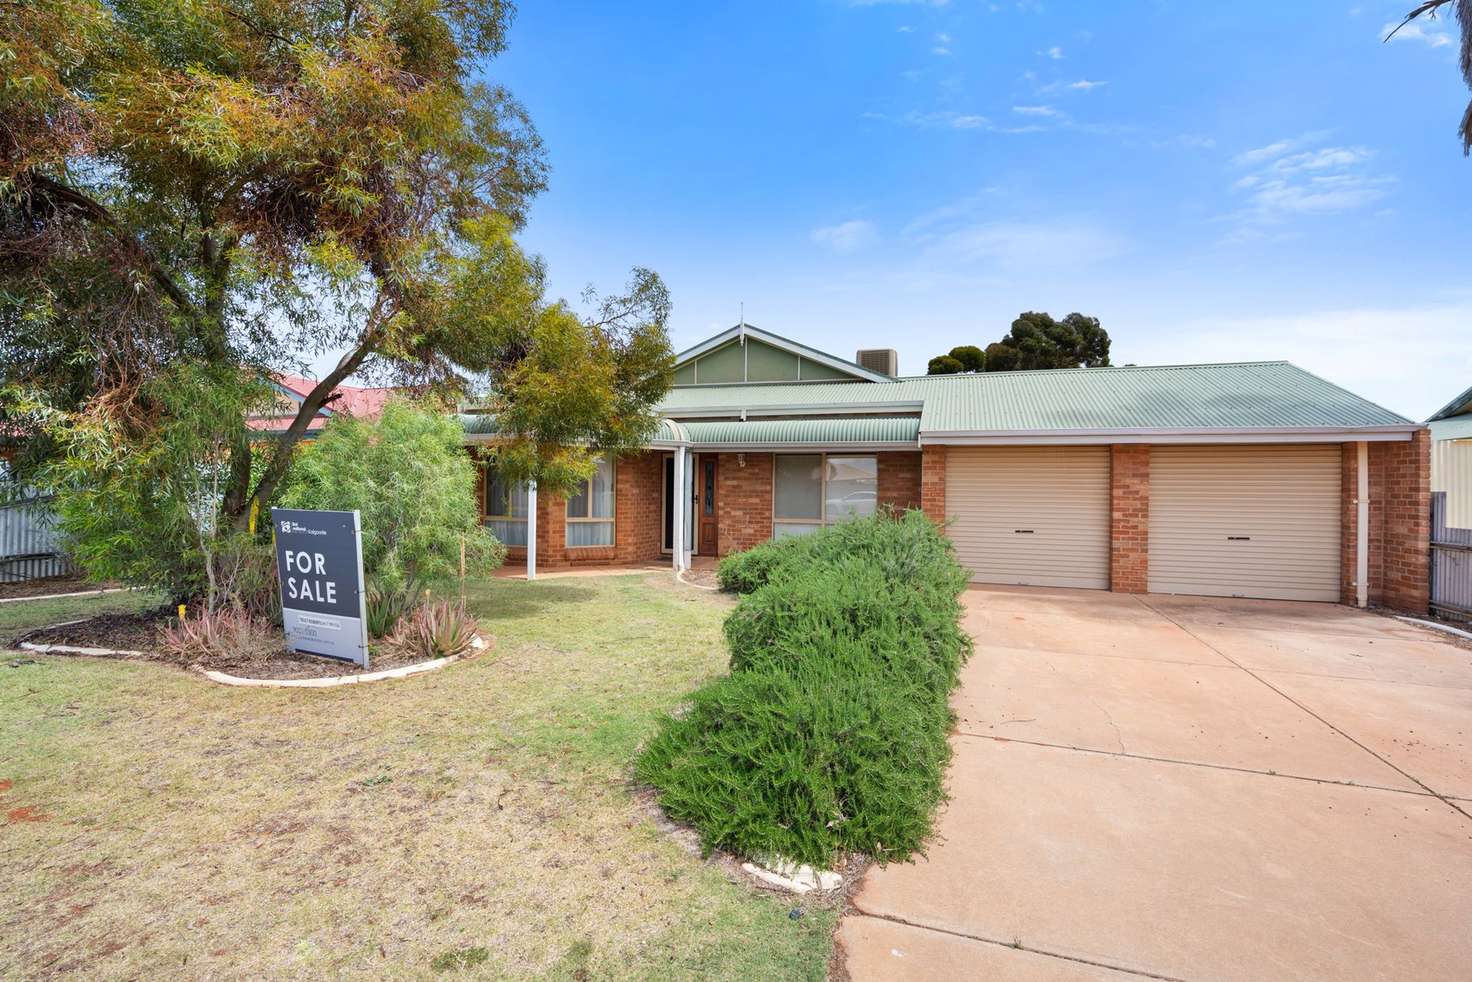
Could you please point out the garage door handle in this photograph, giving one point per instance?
(1022, 531)
(1239, 538)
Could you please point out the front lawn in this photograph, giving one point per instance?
(477, 820)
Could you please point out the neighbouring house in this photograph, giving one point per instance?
(292, 390)
(1254, 479)
(1451, 507)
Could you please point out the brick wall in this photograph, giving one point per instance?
(933, 483)
(1400, 523)
(636, 526)
(1407, 546)
(743, 501)
(899, 480)
(1129, 518)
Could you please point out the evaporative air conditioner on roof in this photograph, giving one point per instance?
(883, 360)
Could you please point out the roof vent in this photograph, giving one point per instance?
(886, 361)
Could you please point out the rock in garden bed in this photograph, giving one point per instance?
(266, 658)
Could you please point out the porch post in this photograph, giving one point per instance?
(687, 495)
(1362, 526)
(531, 530)
(677, 512)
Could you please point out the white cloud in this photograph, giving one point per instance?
(941, 50)
(1014, 245)
(1398, 357)
(1047, 111)
(1055, 53)
(905, 29)
(1416, 31)
(946, 119)
(1086, 84)
(1285, 182)
(846, 237)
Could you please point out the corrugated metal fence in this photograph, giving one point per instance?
(1451, 564)
(28, 544)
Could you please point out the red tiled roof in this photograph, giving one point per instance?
(352, 400)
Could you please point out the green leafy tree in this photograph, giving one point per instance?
(1036, 341)
(240, 184)
(410, 478)
(972, 358)
(1463, 9)
(944, 365)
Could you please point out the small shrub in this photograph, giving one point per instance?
(389, 603)
(829, 735)
(434, 630)
(224, 633)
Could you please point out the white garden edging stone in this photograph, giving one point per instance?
(63, 596)
(1447, 628)
(403, 671)
(680, 575)
(794, 878)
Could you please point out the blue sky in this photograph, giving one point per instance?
(1216, 182)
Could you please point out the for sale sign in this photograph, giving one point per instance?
(319, 558)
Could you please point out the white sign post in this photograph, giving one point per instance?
(319, 560)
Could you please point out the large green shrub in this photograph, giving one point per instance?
(829, 735)
(410, 478)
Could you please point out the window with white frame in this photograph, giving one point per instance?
(590, 510)
(813, 490)
(505, 508)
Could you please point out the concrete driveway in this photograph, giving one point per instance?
(1184, 788)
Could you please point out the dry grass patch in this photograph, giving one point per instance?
(475, 822)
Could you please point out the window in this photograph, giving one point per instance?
(813, 490)
(590, 511)
(505, 509)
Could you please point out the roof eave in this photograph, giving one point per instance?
(1264, 434)
(1459, 406)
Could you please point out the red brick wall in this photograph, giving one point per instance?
(1129, 518)
(1400, 523)
(636, 526)
(933, 483)
(899, 480)
(743, 501)
(1407, 547)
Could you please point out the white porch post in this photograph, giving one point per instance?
(1362, 526)
(531, 530)
(677, 512)
(687, 494)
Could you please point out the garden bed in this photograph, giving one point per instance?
(50, 586)
(135, 637)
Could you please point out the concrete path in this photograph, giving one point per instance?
(1190, 789)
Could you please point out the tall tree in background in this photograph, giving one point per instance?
(244, 185)
(1464, 59)
(1035, 341)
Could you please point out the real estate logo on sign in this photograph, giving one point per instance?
(319, 560)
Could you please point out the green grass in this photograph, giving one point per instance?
(23, 615)
(477, 822)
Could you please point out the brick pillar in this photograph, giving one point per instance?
(551, 531)
(1407, 535)
(899, 480)
(1129, 518)
(743, 500)
(933, 483)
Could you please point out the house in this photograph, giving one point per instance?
(1255, 479)
(292, 390)
(1451, 459)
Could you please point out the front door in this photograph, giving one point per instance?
(705, 505)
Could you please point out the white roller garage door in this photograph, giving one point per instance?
(1249, 521)
(1037, 516)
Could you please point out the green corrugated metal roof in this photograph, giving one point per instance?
(815, 430)
(1459, 406)
(1253, 395)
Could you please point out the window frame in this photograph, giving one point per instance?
(487, 469)
(611, 519)
(822, 521)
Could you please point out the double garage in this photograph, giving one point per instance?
(1227, 520)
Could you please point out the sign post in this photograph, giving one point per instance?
(319, 560)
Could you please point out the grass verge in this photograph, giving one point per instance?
(473, 823)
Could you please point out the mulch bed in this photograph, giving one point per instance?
(140, 632)
(71, 583)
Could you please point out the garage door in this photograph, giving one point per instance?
(1037, 516)
(1257, 521)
